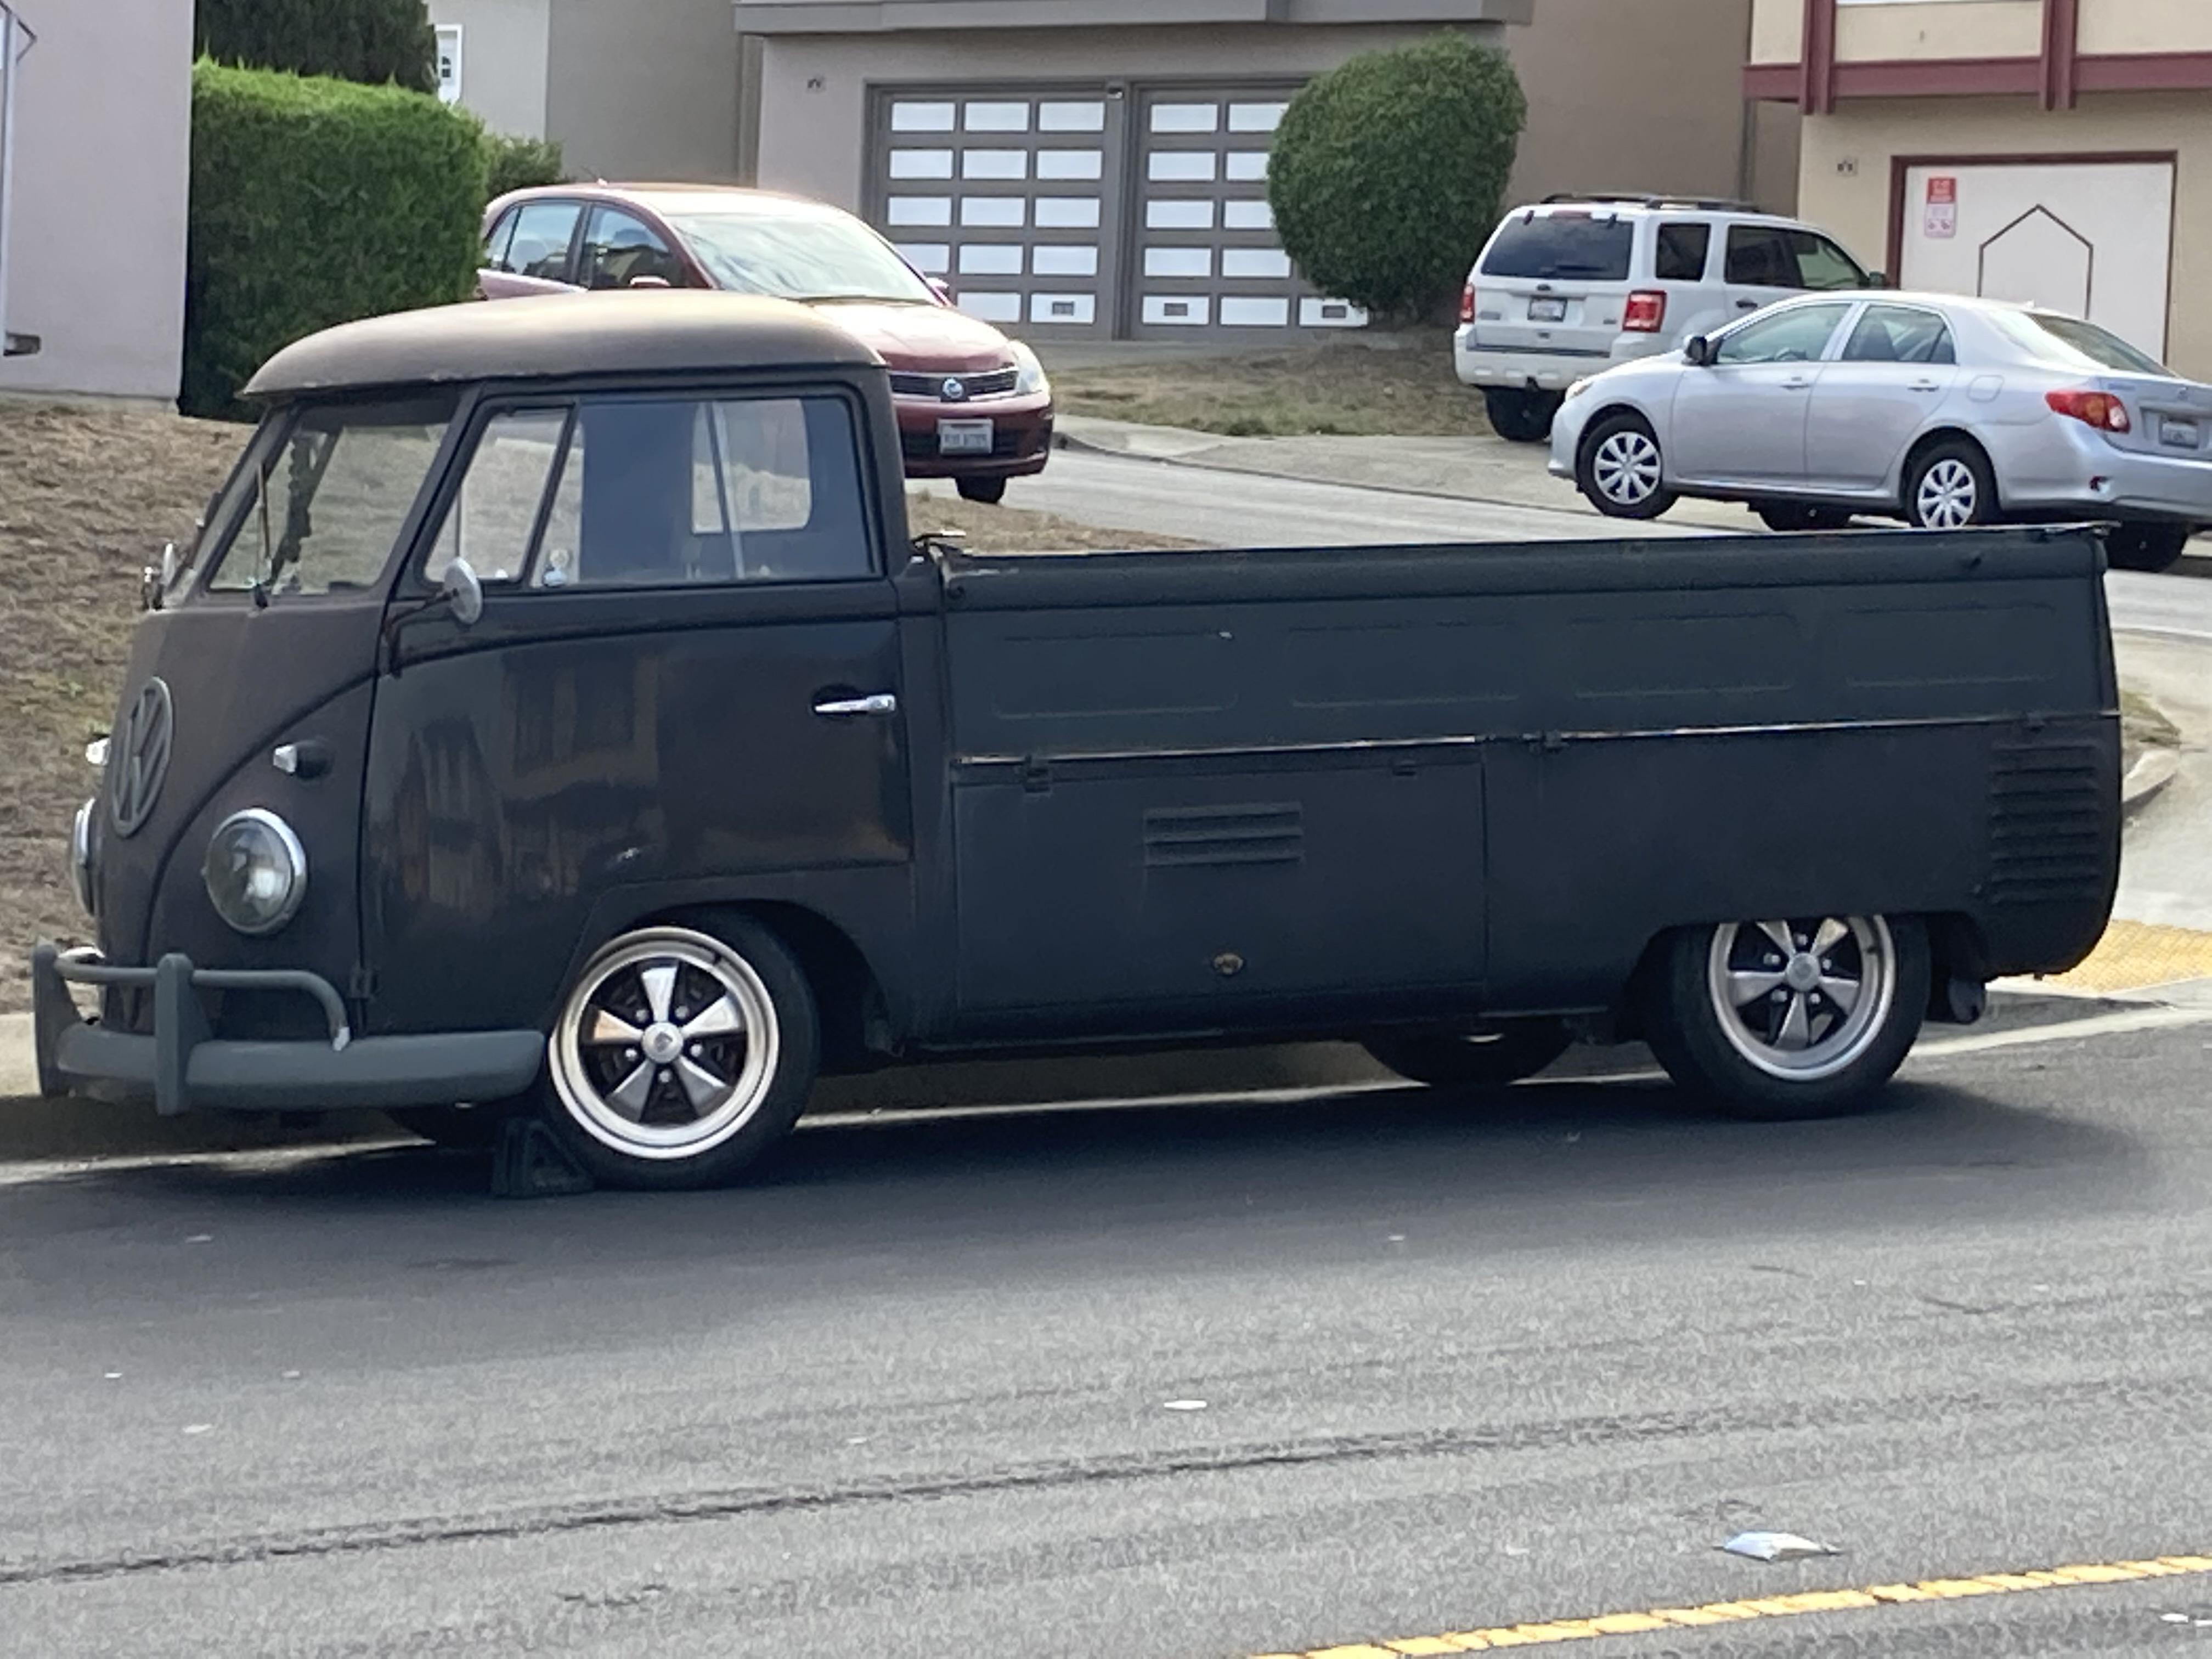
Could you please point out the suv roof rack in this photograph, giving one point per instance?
(1640, 198)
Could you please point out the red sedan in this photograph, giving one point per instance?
(974, 406)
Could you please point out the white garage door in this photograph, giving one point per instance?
(2092, 237)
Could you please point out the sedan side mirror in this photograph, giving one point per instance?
(463, 592)
(1698, 349)
(944, 288)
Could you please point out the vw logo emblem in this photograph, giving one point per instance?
(955, 389)
(139, 758)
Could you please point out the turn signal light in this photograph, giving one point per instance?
(1465, 303)
(2099, 409)
(1646, 312)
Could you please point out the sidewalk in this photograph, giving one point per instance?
(1480, 469)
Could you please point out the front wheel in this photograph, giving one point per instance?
(1521, 418)
(1800, 1018)
(2152, 547)
(986, 492)
(678, 1057)
(1619, 469)
(1950, 487)
(1488, 1058)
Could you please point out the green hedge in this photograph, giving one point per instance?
(369, 40)
(1387, 172)
(315, 201)
(517, 163)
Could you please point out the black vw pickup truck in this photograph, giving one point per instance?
(553, 716)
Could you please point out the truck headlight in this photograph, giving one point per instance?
(255, 871)
(81, 853)
(1031, 377)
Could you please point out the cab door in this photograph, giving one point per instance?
(684, 690)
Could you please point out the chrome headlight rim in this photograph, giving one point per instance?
(296, 855)
(81, 854)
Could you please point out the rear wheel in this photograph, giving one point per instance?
(989, 492)
(678, 1057)
(1949, 486)
(1487, 1058)
(1621, 471)
(1789, 517)
(1521, 418)
(1794, 1019)
(2151, 547)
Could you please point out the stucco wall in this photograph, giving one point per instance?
(1963, 28)
(1777, 31)
(644, 89)
(96, 249)
(1855, 204)
(503, 67)
(2141, 26)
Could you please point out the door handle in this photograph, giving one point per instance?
(1925, 385)
(1747, 305)
(1798, 384)
(875, 705)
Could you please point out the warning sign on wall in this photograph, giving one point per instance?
(1942, 205)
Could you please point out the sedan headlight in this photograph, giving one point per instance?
(81, 853)
(1030, 379)
(1577, 389)
(255, 871)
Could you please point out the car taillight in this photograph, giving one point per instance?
(2099, 409)
(1467, 303)
(1646, 312)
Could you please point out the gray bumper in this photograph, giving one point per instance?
(181, 1065)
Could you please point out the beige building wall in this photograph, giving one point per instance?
(644, 89)
(2123, 27)
(1777, 31)
(503, 60)
(1881, 33)
(102, 172)
(1846, 180)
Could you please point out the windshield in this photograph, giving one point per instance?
(323, 501)
(807, 256)
(2069, 342)
(1551, 245)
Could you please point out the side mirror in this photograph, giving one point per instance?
(154, 581)
(944, 288)
(1698, 349)
(648, 282)
(1877, 279)
(463, 592)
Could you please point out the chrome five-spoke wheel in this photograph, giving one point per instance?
(673, 1044)
(1803, 998)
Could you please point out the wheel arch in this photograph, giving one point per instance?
(1936, 435)
(848, 997)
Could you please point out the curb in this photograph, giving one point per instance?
(2147, 778)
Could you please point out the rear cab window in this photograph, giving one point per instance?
(326, 490)
(1574, 246)
(641, 491)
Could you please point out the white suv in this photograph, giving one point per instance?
(1573, 285)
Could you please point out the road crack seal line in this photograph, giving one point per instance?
(1546, 1632)
(739, 1502)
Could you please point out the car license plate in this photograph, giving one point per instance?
(2181, 435)
(1547, 311)
(965, 437)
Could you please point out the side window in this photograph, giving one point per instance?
(1821, 264)
(1758, 257)
(502, 237)
(1899, 334)
(620, 248)
(634, 492)
(493, 517)
(1798, 335)
(1681, 252)
(543, 231)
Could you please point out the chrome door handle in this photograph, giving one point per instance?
(1798, 384)
(844, 708)
(1925, 385)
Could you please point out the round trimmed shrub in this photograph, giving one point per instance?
(517, 163)
(1388, 172)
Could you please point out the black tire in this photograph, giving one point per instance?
(740, 992)
(1684, 1020)
(1621, 455)
(1790, 517)
(1521, 418)
(458, 1128)
(1937, 473)
(1484, 1060)
(2151, 547)
(985, 492)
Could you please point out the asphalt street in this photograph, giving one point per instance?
(1158, 1380)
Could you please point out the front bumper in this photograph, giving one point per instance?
(182, 1065)
(1021, 437)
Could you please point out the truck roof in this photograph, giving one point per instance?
(560, 334)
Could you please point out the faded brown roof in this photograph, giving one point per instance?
(559, 335)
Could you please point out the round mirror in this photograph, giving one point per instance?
(463, 592)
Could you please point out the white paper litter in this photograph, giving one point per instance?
(1775, 1546)
(1183, 1406)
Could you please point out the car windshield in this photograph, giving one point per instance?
(1546, 246)
(803, 257)
(320, 505)
(2069, 342)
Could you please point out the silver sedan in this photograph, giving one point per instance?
(1940, 410)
